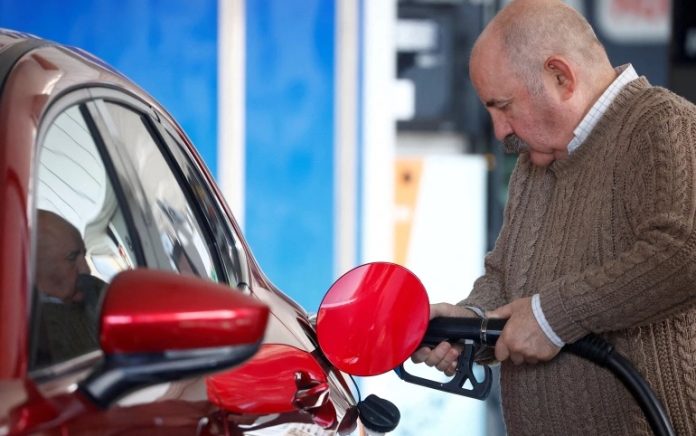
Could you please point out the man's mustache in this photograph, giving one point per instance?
(514, 145)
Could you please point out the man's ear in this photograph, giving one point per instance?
(564, 80)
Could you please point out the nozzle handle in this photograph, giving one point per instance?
(482, 331)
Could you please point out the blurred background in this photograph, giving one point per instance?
(346, 131)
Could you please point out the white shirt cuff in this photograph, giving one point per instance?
(543, 323)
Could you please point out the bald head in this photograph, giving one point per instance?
(538, 68)
(60, 257)
(527, 32)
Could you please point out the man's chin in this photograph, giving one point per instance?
(541, 159)
(77, 297)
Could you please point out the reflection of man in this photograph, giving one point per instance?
(67, 326)
(60, 258)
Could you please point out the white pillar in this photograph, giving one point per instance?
(379, 129)
(346, 135)
(231, 104)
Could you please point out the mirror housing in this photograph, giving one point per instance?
(159, 326)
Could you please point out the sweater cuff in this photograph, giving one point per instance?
(476, 304)
(544, 324)
(558, 318)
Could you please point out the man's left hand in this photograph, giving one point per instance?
(522, 340)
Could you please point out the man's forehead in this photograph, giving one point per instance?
(76, 242)
(492, 77)
(59, 235)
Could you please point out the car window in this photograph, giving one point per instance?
(82, 241)
(180, 233)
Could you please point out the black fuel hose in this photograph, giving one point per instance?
(591, 347)
(601, 352)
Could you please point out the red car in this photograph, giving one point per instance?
(129, 300)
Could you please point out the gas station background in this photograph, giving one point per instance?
(346, 131)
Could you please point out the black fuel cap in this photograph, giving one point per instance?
(378, 414)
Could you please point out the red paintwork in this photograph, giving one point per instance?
(177, 312)
(272, 371)
(40, 414)
(373, 318)
(15, 164)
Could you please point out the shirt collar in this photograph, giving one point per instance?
(626, 74)
(45, 298)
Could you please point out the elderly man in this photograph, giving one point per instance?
(60, 258)
(599, 232)
(67, 327)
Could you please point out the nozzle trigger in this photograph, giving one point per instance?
(465, 371)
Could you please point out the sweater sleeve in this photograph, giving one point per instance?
(488, 290)
(656, 276)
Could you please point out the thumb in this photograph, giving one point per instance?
(501, 312)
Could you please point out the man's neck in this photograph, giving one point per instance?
(599, 83)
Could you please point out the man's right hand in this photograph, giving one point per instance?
(444, 356)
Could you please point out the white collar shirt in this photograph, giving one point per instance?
(626, 74)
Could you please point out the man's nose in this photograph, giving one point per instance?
(501, 128)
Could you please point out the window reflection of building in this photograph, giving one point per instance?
(178, 228)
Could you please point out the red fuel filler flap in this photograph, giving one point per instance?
(373, 318)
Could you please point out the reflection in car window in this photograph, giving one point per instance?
(179, 230)
(81, 241)
(231, 253)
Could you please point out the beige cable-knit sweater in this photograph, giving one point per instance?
(607, 238)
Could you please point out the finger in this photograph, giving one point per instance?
(449, 372)
(420, 355)
(501, 312)
(450, 358)
(517, 358)
(438, 354)
(501, 351)
(438, 309)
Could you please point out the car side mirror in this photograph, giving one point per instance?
(158, 326)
